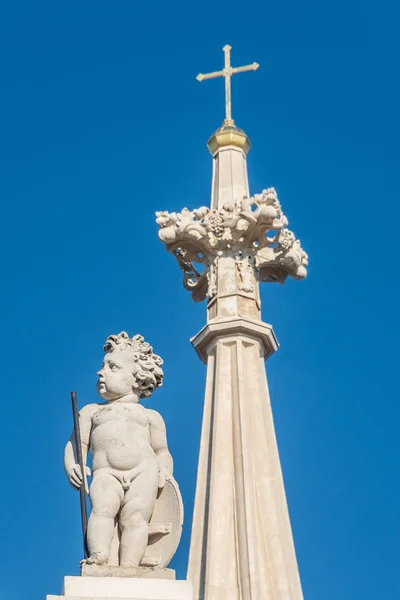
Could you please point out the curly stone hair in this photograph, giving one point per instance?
(146, 364)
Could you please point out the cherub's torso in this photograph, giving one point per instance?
(120, 436)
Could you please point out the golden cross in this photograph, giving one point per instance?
(227, 72)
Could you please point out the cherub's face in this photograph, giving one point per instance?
(116, 378)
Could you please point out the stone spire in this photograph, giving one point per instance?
(241, 545)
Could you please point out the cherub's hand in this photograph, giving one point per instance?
(162, 478)
(75, 477)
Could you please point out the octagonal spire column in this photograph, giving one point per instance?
(229, 147)
(234, 290)
(241, 546)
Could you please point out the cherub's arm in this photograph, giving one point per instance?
(158, 440)
(72, 468)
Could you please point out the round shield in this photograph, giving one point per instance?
(165, 527)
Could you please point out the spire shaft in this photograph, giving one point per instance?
(241, 545)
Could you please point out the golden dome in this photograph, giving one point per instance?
(228, 135)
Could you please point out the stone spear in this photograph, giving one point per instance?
(79, 456)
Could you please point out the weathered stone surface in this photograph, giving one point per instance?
(137, 510)
(251, 230)
(140, 572)
(241, 544)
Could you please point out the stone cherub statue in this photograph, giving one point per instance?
(132, 467)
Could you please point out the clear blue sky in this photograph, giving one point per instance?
(102, 123)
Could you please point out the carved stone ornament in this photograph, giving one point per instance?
(256, 224)
(137, 512)
(245, 272)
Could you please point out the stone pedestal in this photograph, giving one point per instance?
(118, 588)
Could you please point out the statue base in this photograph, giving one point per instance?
(121, 588)
(115, 571)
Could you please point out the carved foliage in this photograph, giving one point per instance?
(257, 224)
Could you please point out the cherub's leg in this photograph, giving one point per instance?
(138, 506)
(105, 494)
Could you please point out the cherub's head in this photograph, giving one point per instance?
(129, 366)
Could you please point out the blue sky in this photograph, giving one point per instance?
(102, 123)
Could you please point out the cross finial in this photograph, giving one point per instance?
(227, 72)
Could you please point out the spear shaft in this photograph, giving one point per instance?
(79, 456)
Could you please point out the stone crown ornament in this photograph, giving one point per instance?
(255, 225)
